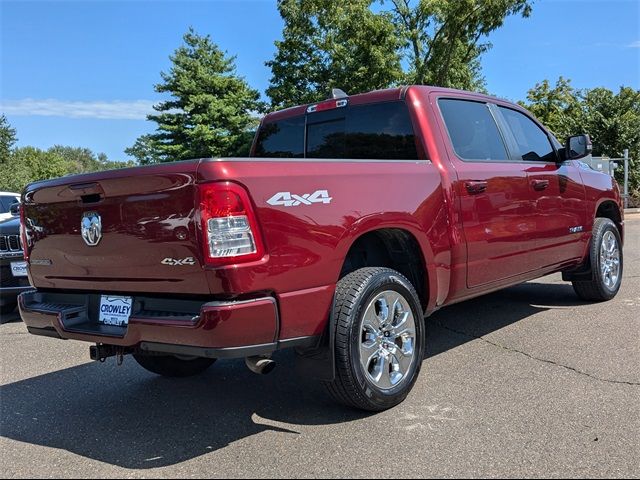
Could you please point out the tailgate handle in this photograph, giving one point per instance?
(88, 192)
(539, 184)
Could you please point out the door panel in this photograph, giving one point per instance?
(493, 191)
(556, 190)
(560, 212)
(498, 223)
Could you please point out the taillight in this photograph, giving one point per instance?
(24, 238)
(229, 224)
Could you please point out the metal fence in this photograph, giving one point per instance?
(609, 166)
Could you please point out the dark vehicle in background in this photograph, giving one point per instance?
(8, 200)
(13, 268)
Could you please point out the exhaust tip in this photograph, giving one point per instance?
(260, 365)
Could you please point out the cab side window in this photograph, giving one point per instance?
(472, 130)
(532, 142)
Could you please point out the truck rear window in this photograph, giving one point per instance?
(380, 131)
(283, 139)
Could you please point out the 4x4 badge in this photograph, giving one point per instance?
(288, 199)
(176, 262)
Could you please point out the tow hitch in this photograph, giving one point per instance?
(101, 352)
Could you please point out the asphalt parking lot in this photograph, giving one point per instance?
(529, 381)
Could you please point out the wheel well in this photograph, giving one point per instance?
(390, 247)
(610, 210)
(607, 209)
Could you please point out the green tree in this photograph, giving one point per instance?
(210, 109)
(558, 107)
(332, 44)
(7, 139)
(145, 150)
(613, 122)
(443, 38)
(611, 119)
(79, 160)
(352, 46)
(83, 160)
(30, 164)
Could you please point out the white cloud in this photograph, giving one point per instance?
(113, 110)
(635, 44)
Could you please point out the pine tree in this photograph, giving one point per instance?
(209, 111)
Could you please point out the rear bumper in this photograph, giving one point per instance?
(213, 329)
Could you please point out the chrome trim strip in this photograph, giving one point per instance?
(311, 160)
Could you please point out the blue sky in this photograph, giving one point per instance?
(82, 73)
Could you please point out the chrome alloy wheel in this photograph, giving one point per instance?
(610, 260)
(387, 340)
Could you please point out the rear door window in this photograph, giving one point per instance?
(532, 142)
(472, 130)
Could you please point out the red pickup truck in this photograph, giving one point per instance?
(352, 220)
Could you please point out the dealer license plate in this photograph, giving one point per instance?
(115, 310)
(19, 269)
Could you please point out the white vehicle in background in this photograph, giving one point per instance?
(6, 200)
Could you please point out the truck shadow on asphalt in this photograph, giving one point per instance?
(127, 417)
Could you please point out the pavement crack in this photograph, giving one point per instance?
(537, 359)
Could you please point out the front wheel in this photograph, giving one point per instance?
(171, 366)
(605, 254)
(379, 339)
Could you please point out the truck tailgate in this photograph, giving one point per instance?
(146, 240)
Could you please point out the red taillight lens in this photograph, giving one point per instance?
(24, 238)
(229, 225)
(221, 203)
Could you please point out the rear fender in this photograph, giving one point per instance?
(319, 362)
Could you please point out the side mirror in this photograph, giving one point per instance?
(14, 209)
(578, 146)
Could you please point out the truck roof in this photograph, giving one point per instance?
(384, 95)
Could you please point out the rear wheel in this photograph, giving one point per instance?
(379, 339)
(171, 366)
(605, 254)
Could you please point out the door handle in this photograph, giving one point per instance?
(539, 184)
(476, 186)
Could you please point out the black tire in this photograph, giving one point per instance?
(5, 310)
(170, 366)
(596, 288)
(354, 293)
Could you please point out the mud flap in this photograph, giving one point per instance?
(319, 362)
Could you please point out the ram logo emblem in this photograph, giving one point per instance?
(91, 228)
